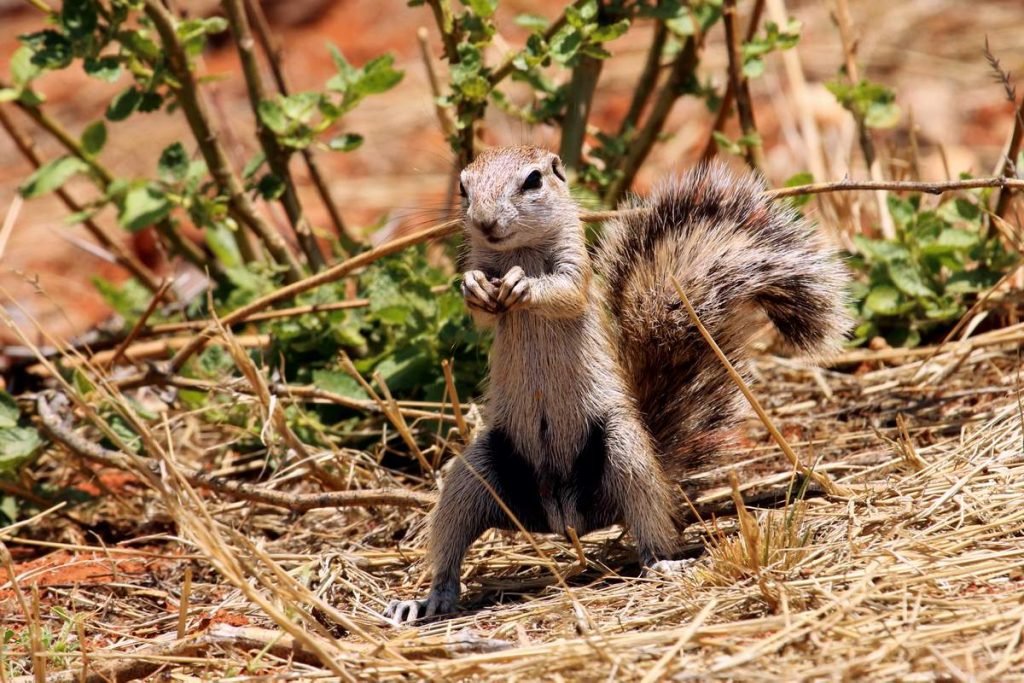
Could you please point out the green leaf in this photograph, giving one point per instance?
(753, 67)
(150, 102)
(173, 164)
(221, 240)
(143, 206)
(300, 106)
(78, 17)
(958, 238)
(128, 299)
(18, 445)
(51, 176)
(8, 95)
(883, 300)
(882, 115)
(50, 49)
(272, 116)
(270, 186)
(253, 165)
(483, 8)
(9, 412)
(104, 68)
(94, 137)
(908, 280)
(971, 281)
(378, 76)
(603, 34)
(22, 68)
(339, 382)
(346, 142)
(122, 106)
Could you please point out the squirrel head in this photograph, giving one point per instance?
(514, 197)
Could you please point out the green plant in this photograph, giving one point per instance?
(918, 285)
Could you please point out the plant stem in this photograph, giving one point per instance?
(103, 178)
(863, 133)
(451, 34)
(332, 274)
(741, 87)
(123, 257)
(648, 79)
(581, 96)
(191, 102)
(277, 157)
(505, 68)
(682, 70)
(1009, 163)
(711, 147)
(272, 49)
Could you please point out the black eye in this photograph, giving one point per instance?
(532, 181)
(462, 190)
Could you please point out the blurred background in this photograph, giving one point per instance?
(929, 52)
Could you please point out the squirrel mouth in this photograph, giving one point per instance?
(494, 239)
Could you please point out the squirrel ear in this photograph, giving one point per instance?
(556, 168)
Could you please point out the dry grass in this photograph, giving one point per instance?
(919, 574)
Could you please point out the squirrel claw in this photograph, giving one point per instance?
(514, 288)
(478, 291)
(407, 611)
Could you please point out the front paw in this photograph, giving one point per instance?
(514, 289)
(478, 291)
(407, 611)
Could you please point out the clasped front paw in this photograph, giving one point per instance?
(478, 292)
(513, 289)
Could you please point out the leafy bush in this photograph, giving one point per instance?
(921, 283)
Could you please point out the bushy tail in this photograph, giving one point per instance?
(738, 258)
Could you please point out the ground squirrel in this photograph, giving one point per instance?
(602, 396)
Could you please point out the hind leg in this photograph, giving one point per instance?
(466, 509)
(635, 481)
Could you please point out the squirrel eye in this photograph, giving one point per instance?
(462, 190)
(532, 181)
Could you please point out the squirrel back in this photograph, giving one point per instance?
(738, 258)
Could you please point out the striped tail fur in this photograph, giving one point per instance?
(739, 259)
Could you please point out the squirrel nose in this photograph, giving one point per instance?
(487, 227)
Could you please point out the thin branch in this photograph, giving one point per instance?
(443, 120)
(103, 178)
(54, 424)
(447, 228)
(277, 156)
(123, 257)
(867, 146)
(896, 186)
(451, 35)
(580, 96)
(741, 87)
(820, 478)
(1008, 164)
(140, 323)
(682, 70)
(506, 67)
(332, 274)
(272, 49)
(192, 104)
(648, 79)
(711, 147)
